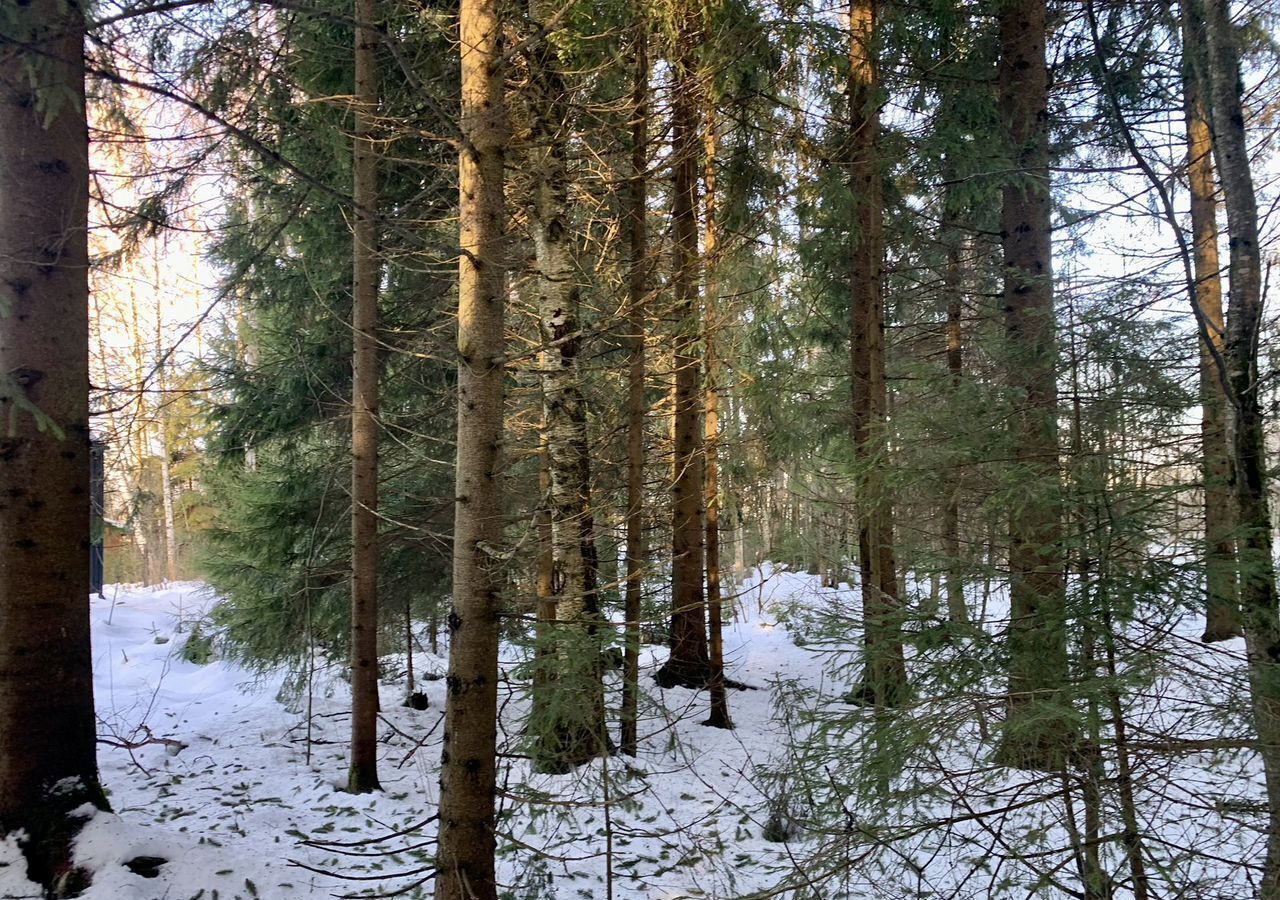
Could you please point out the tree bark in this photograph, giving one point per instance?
(1222, 606)
(719, 696)
(575, 731)
(544, 589)
(637, 280)
(1037, 734)
(466, 842)
(1259, 615)
(953, 285)
(884, 682)
(363, 775)
(166, 491)
(689, 662)
(48, 766)
(162, 423)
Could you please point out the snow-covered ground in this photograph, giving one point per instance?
(253, 806)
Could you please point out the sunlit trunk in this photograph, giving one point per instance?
(466, 839)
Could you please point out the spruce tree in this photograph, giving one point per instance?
(1258, 601)
(364, 412)
(1037, 734)
(279, 550)
(884, 683)
(465, 858)
(48, 762)
(1222, 614)
(689, 662)
(636, 217)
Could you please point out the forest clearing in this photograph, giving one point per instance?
(548, 449)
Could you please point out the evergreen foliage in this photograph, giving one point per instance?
(1003, 517)
(279, 547)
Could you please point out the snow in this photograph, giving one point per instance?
(240, 812)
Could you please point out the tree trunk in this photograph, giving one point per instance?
(1222, 608)
(363, 776)
(1037, 734)
(689, 663)
(166, 494)
(719, 717)
(544, 588)
(465, 865)
(162, 423)
(1244, 321)
(139, 515)
(575, 731)
(48, 766)
(408, 644)
(957, 612)
(636, 286)
(884, 681)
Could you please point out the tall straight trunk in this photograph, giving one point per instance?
(166, 501)
(544, 590)
(689, 662)
(1037, 734)
(148, 542)
(637, 280)
(162, 423)
(466, 842)
(48, 766)
(1222, 609)
(953, 286)
(408, 646)
(884, 682)
(363, 776)
(1093, 593)
(575, 731)
(739, 539)
(719, 717)
(1258, 610)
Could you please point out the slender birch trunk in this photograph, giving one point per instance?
(575, 731)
